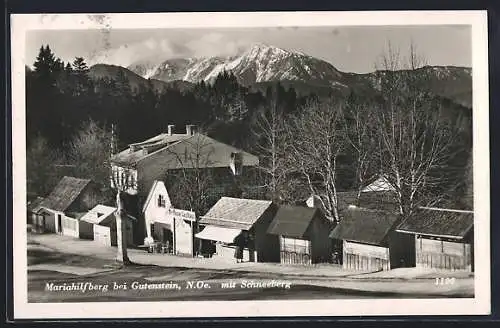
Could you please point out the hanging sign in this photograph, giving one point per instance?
(182, 214)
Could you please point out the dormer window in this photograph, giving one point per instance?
(161, 201)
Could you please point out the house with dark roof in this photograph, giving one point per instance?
(370, 242)
(172, 158)
(303, 233)
(444, 238)
(138, 166)
(230, 218)
(66, 204)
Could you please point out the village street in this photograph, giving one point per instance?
(64, 260)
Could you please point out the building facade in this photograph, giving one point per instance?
(67, 203)
(304, 235)
(99, 224)
(231, 218)
(186, 163)
(170, 226)
(444, 238)
(370, 242)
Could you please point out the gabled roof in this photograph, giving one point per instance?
(98, 214)
(293, 221)
(379, 200)
(380, 184)
(365, 225)
(135, 152)
(64, 194)
(438, 222)
(345, 199)
(34, 205)
(183, 151)
(237, 213)
(150, 194)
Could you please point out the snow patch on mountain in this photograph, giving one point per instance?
(260, 63)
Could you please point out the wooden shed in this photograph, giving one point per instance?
(99, 224)
(444, 238)
(233, 217)
(68, 200)
(370, 242)
(303, 234)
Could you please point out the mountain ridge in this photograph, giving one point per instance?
(261, 65)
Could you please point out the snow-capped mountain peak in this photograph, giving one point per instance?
(259, 63)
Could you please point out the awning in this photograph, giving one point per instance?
(225, 235)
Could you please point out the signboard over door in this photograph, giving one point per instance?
(183, 230)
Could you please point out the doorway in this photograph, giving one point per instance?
(167, 239)
(59, 223)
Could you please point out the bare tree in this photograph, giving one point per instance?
(361, 136)
(270, 132)
(416, 138)
(122, 180)
(317, 139)
(121, 229)
(40, 161)
(89, 155)
(192, 181)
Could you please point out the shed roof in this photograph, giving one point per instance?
(380, 184)
(64, 194)
(365, 225)
(379, 200)
(98, 214)
(236, 213)
(34, 205)
(438, 222)
(183, 151)
(293, 221)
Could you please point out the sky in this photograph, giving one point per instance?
(350, 49)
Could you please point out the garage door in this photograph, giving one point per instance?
(102, 235)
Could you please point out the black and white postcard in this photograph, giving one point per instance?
(250, 164)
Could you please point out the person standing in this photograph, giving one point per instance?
(239, 243)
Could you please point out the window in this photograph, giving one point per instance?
(123, 179)
(294, 245)
(161, 201)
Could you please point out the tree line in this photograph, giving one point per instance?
(307, 145)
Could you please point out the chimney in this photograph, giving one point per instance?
(170, 130)
(236, 163)
(190, 129)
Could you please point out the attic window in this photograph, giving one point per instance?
(99, 214)
(161, 201)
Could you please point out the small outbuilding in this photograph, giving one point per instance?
(230, 218)
(36, 216)
(303, 234)
(444, 238)
(370, 242)
(65, 204)
(99, 224)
